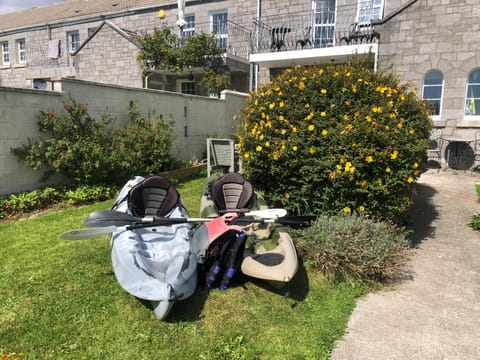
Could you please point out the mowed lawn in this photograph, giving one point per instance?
(60, 300)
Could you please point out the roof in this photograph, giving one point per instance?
(74, 10)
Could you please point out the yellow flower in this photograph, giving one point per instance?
(387, 169)
(347, 210)
(295, 148)
(393, 156)
(415, 165)
(361, 208)
(246, 155)
(323, 113)
(312, 150)
(276, 155)
(301, 85)
(281, 118)
(259, 148)
(410, 180)
(324, 132)
(311, 127)
(287, 195)
(323, 91)
(411, 131)
(368, 118)
(272, 105)
(354, 89)
(284, 131)
(282, 104)
(267, 143)
(294, 129)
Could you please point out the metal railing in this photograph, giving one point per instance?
(232, 37)
(325, 27)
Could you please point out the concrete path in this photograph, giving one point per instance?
(436, 314)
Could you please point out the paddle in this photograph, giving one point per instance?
(104, 218)
(81, 234)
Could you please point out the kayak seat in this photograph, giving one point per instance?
(154, 196)
(232, 192)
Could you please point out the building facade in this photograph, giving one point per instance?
(430, 43)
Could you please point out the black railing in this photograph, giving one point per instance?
(324, 27)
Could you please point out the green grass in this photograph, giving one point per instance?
(60, 300)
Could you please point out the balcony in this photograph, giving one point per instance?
(232, 37)
(306, 38)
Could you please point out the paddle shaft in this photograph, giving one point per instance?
(80, 234)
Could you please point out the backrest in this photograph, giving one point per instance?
(232, 191)
(154, 196)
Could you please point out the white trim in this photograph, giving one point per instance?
(340, 54)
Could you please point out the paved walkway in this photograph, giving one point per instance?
(436, 314)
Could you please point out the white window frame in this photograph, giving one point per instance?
(21, 51)
(189, 29)
(441, 85)
(73, 41)
(325, 26)
(5, 54)
(368, 10)
(180, 82)
(472, 96)
(222, 36)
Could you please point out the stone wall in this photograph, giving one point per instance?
(436, 35)
(195, 118)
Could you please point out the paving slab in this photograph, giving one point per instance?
(435, 314)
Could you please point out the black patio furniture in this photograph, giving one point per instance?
(278, 37)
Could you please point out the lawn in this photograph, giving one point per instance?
(60, 300)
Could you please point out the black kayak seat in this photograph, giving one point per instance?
(232, 191)
(154, 196)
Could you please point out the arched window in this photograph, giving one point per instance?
(472, 96)
(432, 91)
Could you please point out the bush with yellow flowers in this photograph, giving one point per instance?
(335, 139)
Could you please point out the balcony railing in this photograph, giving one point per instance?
(325, 27)
(232, 37)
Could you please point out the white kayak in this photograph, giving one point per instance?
(154, 263)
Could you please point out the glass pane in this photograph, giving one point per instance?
(433, 106)
(474, 77)
(432, 92)
(434, 78)
(472, 107)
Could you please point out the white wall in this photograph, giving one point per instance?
(195, 118)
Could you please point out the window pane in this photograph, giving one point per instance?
(434, 78)
(433, 106)
(474, 77)
(432, 92)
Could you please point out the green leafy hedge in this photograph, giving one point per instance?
(335, 139)
(89, 151)
(43, 198)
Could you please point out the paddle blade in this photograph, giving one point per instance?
(102, 218)
(82, 234)
(297, 222)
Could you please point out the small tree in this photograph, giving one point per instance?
(162, 49)
(335, 139)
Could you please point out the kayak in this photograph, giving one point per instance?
(154, 263)
(269, 251)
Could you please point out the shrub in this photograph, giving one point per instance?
(475, 223)
(89, 151)
(143, 147)
(353, 248)
(39, 199)
(333, 139)
(73, 144)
